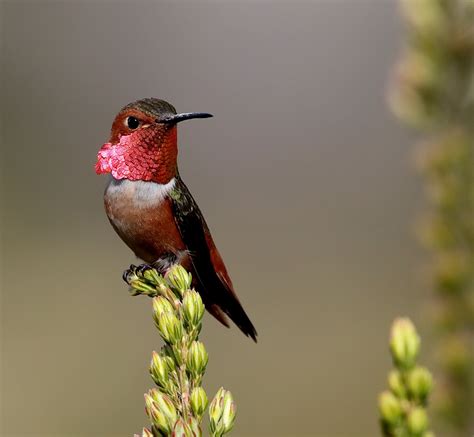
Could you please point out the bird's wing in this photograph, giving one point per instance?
(208, 265)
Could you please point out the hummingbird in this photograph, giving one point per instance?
(152, 210)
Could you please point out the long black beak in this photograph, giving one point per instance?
(184, 116)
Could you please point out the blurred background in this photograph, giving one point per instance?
(304, 177)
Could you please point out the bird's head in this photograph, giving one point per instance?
(143, 142)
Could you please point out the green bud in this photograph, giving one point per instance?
(417, 421)
(170, 363)
(193, 308)
(143, 287)
(157, 417)
(222, 413)
(198, 401)
(167, 352)
(166, 291)
(159, 369)
(149, 400)
(228, 412)
(167, 406)
(161, 410)
(389, 407)
(170, 327)
(193, 424)
(179, 278)
(396, 385)
(175, 356)
(420, 383)
(161, 305)
(215, 413)
(151, 275)
(181, 429)
(404, 343)
(197, 358)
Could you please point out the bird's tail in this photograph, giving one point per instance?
(230, 305)
(221, 301)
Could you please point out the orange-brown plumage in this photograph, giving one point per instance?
(150, 231)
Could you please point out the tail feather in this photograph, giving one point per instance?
(220, 300)
(232, 307)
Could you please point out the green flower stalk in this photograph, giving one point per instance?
(178, 403)
(434, 92)
(402, 408)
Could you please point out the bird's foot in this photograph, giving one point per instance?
(135, 272)
(161, 265)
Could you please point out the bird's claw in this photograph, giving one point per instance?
(161, 265)
(142, 268)
(135, 272)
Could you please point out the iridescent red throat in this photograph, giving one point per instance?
(149, 154)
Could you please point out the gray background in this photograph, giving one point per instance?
(303, 175)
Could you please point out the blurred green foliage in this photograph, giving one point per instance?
(434, 92)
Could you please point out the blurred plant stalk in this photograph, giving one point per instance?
(177, 404)
(403, 407)
(434, 92)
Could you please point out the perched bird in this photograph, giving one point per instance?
(152, 210)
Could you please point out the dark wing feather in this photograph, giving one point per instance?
(214, 281)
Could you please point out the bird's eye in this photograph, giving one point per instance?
(132, 122)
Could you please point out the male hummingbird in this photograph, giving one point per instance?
(152, 210)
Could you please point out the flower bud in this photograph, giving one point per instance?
(420, 383)
(193, 308)
(193, 424)
(228, 413)
(198, 401)
(215, 413)
(143, 287)
(181, 429)
(170, 363)
(417, 421)
(176, 355)
(222, 413)
(161, 305)
(151, 275)
(147, 433)
(165, 290)
(197, 359)
(179, 278)
(165, 403)
(159, 369)
(404, 343)
(389, 407)
(157, 418)
(396, 385)
(170, 327)
(161, 410)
